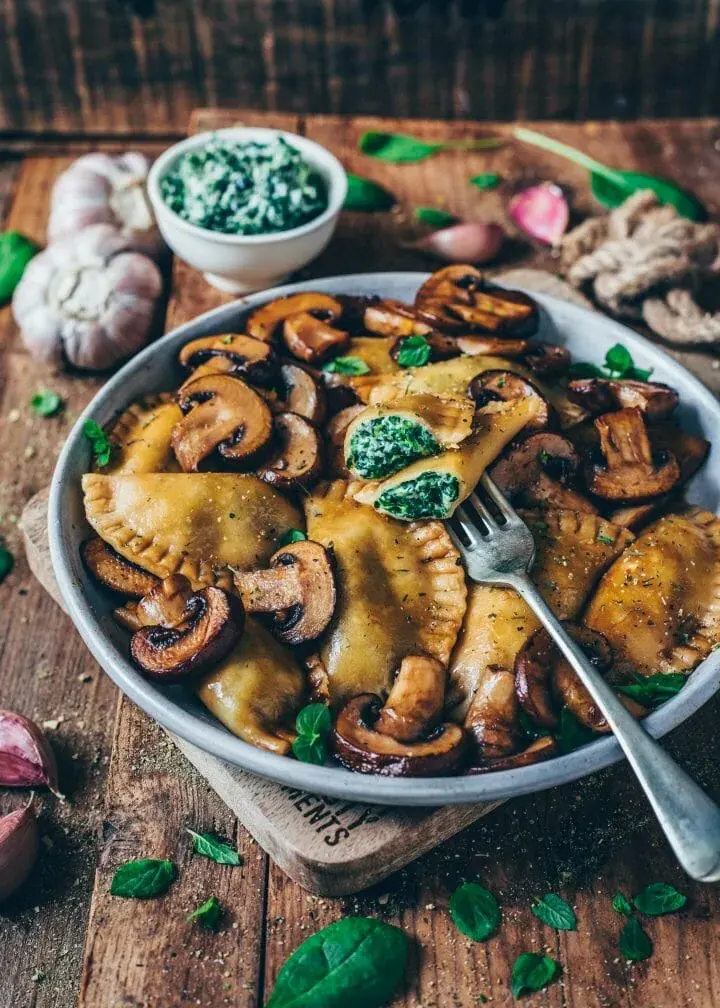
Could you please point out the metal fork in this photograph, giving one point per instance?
(502, 552)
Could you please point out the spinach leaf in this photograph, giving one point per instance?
(553, 910)
(475, 911)
(487, 180)
(365, 196)
(414, 352)
(620, 905)
(532, 972)
(434, 217)
(635, 945)
(101, 446)
(208, 915)
(347, 366)
(658, 898)
(45, 403)
(209, 846)
(397, 148)
(16, 251)
(571, 734)
(357, 962)
(143, 879)
(7, 562)
(289, 537)
(655, 689)
(313, 725)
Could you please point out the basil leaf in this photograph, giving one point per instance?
(313, 725)
(347, 366)
(658, 898)
(208, 915)
(101, 446)
(487, 180)
(16, 251)
(620, 905)
(365, 196)
(414, 352)
(571, 734)
(655, 689)
(397, 148)
(291, 536)
(45, 403)
(475, 911)
(7, 562)
(209, 846)
(143, 879)
(357, 962)
(532, 972)
(611, 192)
(584, 369)
(553, 910)
(618, 359)
(635, 945)
(309, 749)
(434, 217)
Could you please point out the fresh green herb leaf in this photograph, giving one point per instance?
(487, 180)
(16, 251)
(45, 403)
(571, 734)
(143, 879)
(553, 910)
(655, 689)
(7, 562)
(435, 218)
(209, 846)
(396, 148)
(347, 366)
(604, 539)
(584, 369)
(313, 725)
(620, 905)
(365, 196)
(101, 446)
(357, 962)
(618, 365)
(612, 187)
(533, 972)
(658, 898)
(414, 352)
(289, 537)
(618, 360)
(208, 915)
(227, 340)
(531, 730)
(475, 911)
(639, 374)
(635, 945)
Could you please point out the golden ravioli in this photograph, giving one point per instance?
(401, 591)
(659, 604)
(141, 437)
(257, 690)
(196, 524)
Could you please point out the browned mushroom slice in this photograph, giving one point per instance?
(415, 703)
(492, 346)
(335, 432)
(506, 385)
(265, 321)
(114, 571)
(629, 470)
(221, 414)
(492, 718)
(297, 461)
(166, 604)
(213, 624)
(393, 318)
(602, 395)
(360, 747)
(312, 339)
(539, 471)
(533, 679)
(547, 360)
(302, 393)
(318, 680)
(538, 751)
(239, 355)
(441, 347)
(461, 293)
(298, 588)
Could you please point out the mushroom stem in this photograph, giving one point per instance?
(415, 703)
(269, 590)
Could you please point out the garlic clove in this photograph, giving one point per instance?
(26, 759)
(541, 212)
(472, 242)
(19, 843)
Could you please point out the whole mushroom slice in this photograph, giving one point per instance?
(238, 355)
(389, 317)
(441, 347)
(114, 571)
(492, 346)
(506, 385)
(360, 747)
(222, 414)
(298, 589)
(547, 360)
(415, 703)
(265, 322)
(629, 469)
(459, 296)
(602, 395)
(539, 472)
(492, 718)
(312, 339)
(533, 679)
(537, 752)
(301, 393)
(297, 460)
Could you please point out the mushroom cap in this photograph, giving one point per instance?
(602, 395)
(114, 571)
(297, 460)
(538, 751)
(537, 472)
(630, 471)
(507, 385)
(166, 604)
(459, 297)
(265, 321)
(547, 360)
(302, 393)
(239, 355)
(388, 317)
(309, 568)
(312, 339)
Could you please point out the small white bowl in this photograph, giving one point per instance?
(241, 264)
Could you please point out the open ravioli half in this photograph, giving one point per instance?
(140, 437)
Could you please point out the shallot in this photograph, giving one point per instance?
(18, 849)
(473, 242)
(541, 212)
(26, 759)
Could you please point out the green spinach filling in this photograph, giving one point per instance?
(384, 445)
(245, 188)
(429, 495)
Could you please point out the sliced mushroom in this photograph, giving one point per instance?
(393, 318)
(537, 752)
(458, 295)
(359, 747)
(533, 679)
(167, 604)
(537, 472)
(302, 393)
(297, 460)
(441, 347)
(339, 397)
(506, 385)
(629, 470)
(222, 414)
(312, 339)
(415, 703)
(242, 356)
(602, 395)
(547, 360)
(114, 571)
(336, 431)
(266, 320)
(492, 716)
(298, 588)
(492, 346)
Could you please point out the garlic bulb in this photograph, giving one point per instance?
(19, 842)
(86, 300)
(99, 189)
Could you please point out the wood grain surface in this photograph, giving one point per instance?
(130, 794)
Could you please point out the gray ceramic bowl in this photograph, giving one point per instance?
(587, 335)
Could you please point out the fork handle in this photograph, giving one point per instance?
(688, 817)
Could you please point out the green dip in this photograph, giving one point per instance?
(429, 495)
(248, 188)
(384, 445)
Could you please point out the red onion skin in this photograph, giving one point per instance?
(19, 843)
(26, 759)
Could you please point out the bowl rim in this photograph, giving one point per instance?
(333, 781)
(320, 157)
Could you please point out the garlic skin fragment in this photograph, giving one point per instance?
(26, 759)
(19, 843)
(87, 300)
(100, 189)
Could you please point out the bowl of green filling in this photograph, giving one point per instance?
(247, 206)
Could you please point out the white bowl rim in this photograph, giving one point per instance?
(315, 153)
(334, 781)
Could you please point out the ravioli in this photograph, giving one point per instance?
(140, 437)
(401, 591)
(196, 524)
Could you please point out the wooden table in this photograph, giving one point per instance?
(64, 941)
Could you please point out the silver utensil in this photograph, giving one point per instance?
(501, 552)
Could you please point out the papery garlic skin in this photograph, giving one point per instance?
(100, 189)
(541, 212)
(87, 300)
(19, 843)
(26, 759)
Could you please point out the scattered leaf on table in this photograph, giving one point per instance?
(635, 945)
(16, 251)
(210, 846)
(7, 563)
(658, 899)
(434, 217)
(553, 910)
(620, 905)
(397, 148)
(475, 911)
(486, 180)
(207, 915)
(45, 403)
(366, 196)
(532, 972)
(143, 879)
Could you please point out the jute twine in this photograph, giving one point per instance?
(644, 261)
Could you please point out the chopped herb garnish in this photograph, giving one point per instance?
(605, 539)
(208, 915)
(572, 734)
(101, 446)
(143, 879)
(347, 366)
(291, 536)
(313, 725)
(209, 846)
(414, 352)
(618, 365)
(16, 251)
(45, 403)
